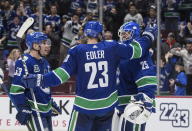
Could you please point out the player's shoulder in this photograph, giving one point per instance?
(110, 43)
(25, 57)
(73, 49)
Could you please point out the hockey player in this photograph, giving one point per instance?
(136, 87)
(95, 65)
(39, 46)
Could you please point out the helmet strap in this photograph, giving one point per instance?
(37, 50)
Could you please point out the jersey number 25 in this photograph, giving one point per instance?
(93, 68)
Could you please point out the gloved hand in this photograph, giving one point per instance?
(144, 100)
(55, 108)
(139, 109)
(151, 32)
(32, 80)
(24, 114)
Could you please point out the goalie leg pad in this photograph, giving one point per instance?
(115, 121)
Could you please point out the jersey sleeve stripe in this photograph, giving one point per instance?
(137, 50)
(17, 93)
(15, 89)
(61, 74)
(96, 103)
(147, 80)
(41, 107)
(73, 120)
(125, 99)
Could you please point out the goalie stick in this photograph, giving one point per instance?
(19, 36)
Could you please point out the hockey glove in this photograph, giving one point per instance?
(55, 108)
(143, 99)
(24, 114)
(151, 32)
(32, 80)
(139, 110)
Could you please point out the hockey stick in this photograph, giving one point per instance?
(25, 26)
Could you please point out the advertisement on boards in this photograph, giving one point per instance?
(172, 113)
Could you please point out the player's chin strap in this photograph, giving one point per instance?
(139, 110)
(38, 51)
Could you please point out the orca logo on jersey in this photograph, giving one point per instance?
(36, 68)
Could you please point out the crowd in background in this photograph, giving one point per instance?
(63, 22)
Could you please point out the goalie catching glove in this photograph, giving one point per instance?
(139, 110)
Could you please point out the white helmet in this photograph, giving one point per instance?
(136, 113)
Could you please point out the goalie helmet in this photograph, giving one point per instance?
(93, 29)
(35, 37)
(129, 31)
(136, 113)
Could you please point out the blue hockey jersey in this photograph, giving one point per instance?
(95, 66)
(136, 76)
(21, 95)
(181, 83)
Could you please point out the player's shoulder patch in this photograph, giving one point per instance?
(25, 58)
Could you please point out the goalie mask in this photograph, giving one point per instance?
(129, 31)
(136, 113)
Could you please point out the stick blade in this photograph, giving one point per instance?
(25, 26)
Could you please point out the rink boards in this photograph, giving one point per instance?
(173, 113)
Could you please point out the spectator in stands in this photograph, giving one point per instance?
(170, 4)
(166, 69)
(181, 79)
(35, 16)
(185, 30)
(53, 18)
(13, 28)
(92, 6)
(109, 4)
(76, 4)
(188, 29)
(108, 36)
(8, 10)
(80, 13)
(79, 38)
(24, 9)
(88, 17)
(21, 13)
(53, 57)
(113, 21)
(168, 73)
(3, 37)
(152, 17)
(12, 58)
(133, 15)
(169, 44)
(70, 29)
(186, 54)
